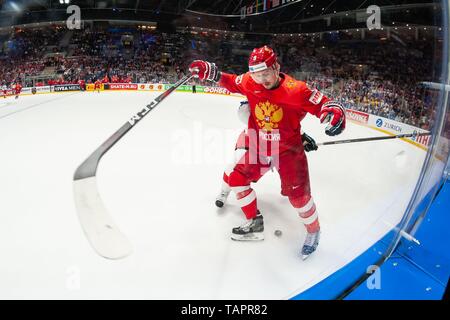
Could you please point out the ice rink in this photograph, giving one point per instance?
(159, 184)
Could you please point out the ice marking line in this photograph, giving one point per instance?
(35, 105)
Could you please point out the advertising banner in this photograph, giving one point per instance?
(123, 86)
(357, 116)
(395, 127)
(65, 87)
(151, 87)
(216, 90)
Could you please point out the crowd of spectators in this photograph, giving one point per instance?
(381, 78)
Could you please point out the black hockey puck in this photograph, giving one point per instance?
(219, 203)
(278, 233)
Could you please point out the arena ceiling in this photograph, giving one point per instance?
(293, 16)
(217, 7)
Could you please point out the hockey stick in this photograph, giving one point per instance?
(399, 136)
(99, 227)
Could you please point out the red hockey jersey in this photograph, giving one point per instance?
(275, 114)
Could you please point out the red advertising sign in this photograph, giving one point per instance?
(123, 86)
(357, 116)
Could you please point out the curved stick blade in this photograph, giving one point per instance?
(101, 231)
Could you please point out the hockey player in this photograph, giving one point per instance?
(5, 90)
(97, 85)
(277, 105)
(17, 89)
(82, 84)
(242, 145)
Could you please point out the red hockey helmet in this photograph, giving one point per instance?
(261, 59)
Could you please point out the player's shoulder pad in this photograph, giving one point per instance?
(244, 81)
(290, 83)
(313, 95)
(239, 79)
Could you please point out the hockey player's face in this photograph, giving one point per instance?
(267, 78)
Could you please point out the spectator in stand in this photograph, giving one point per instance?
(105, 79)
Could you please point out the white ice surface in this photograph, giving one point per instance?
(159, 184)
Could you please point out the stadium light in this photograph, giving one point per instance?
(15, 6)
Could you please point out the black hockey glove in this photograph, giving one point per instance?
(308, 143)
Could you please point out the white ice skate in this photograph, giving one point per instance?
(222, 198)
(310, 245)
(252, 230)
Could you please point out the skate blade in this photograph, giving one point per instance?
(248, 237)
(306, 255)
